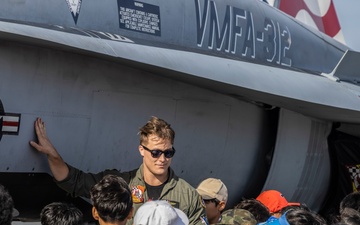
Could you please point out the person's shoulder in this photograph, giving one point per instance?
(118, 172)
(112, 172)
(126, 175)
(183, 183)
(174, 179)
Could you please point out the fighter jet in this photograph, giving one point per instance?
(252, 93)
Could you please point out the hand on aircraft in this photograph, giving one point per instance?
(44, 145)
(57, 165)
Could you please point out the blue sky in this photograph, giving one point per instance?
(348, 12)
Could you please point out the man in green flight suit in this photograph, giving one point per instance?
(153, 180)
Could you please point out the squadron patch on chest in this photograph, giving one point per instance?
(137, 193)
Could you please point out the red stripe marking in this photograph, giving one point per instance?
(294, 6)
(329, 23)
(9, 123)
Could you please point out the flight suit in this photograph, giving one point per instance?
(177, 191)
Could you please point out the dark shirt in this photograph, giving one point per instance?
(154, 192)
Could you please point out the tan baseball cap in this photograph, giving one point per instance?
(213, 188)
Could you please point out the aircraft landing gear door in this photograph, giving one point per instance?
(300, 167)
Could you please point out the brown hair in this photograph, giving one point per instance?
(157, 127)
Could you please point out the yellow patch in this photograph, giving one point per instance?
(137, 193)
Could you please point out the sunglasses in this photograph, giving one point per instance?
(169, 153)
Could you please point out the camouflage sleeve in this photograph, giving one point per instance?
(238, 217)
(79, 183)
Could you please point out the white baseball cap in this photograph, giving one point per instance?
(159, 212)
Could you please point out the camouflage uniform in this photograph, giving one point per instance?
(177, 191)
(237, 217)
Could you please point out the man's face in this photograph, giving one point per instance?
(156, 166)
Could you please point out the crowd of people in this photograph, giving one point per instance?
(153, 194)
(113, 205)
